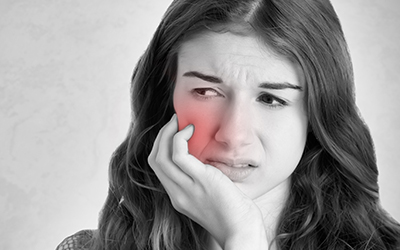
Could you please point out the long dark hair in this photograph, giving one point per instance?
(334, 201)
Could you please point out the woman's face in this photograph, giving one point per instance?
(247, 106)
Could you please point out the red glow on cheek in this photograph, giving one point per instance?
(202, 115)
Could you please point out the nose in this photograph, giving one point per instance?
(235, 128)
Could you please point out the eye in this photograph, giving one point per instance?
(271, 101)
(205, 93)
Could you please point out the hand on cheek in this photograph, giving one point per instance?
(201, 192)
(204, 123)
(199, 139)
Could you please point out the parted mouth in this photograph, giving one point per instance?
(237, 171)
(236, 163)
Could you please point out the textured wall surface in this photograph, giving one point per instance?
(65, 68)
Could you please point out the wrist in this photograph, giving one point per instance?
(251, 236)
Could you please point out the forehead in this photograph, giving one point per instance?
(231, 55)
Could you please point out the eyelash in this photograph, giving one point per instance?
(280, 102)
(196, 93)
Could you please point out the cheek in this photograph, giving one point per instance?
(288, 143)
(202, 116)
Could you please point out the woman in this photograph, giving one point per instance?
(245, 135)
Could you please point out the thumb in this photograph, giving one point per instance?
(187, 132)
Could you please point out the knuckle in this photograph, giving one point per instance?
(158, 160)
(176, 158)
(176, 138)
(154, 161)
(175, 206)
(162, 129)
(179, 203)
(150, 159)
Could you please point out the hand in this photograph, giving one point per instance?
(200, 191)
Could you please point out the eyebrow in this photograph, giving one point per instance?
(206, 78)
(265, 85)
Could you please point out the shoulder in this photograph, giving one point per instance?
(78, 241)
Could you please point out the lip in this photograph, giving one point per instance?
(238, 162)
(235, 170)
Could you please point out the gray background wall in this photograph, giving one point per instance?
(65, 68)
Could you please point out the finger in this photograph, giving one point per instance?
(156, 144)
(187, 162)
(165, 168)
(154, 158)
(158, 164)
(164, 142)
(181, 139)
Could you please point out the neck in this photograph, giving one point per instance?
(271, 205)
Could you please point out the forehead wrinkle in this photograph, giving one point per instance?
(234, 72)
(249, 66)
(236, 64)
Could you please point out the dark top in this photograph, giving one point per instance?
(79, 241)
